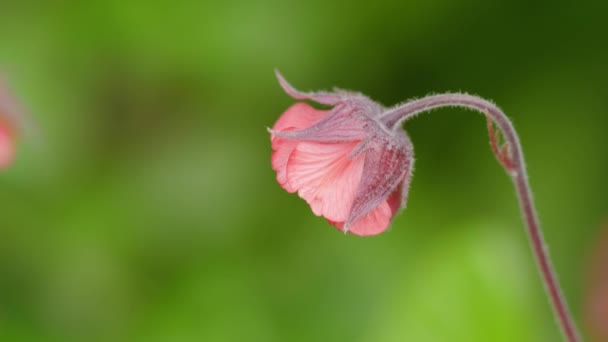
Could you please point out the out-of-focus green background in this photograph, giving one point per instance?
(142, 207)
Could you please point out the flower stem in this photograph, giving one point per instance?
(515, 166)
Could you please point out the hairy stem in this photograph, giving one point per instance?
(515, 166)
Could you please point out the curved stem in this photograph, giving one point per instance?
(517, 170)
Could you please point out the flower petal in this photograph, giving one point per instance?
(298, 116)
(388, 162)
(342, 124)
(374, 223)
(397, 200)
(326, 177)
(379, 219)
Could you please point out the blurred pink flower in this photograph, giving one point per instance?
(596, 307)
(348, 166)
(8, 120)
(7, 148)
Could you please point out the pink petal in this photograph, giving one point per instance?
(374, 223)
(298, 116)
(7, 147)
(379, 219)
(326, 177)
(282, 150)
(341, 124)
(397, 199)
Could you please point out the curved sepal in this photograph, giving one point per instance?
(388, 164)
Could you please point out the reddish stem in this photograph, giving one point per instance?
(513, 161)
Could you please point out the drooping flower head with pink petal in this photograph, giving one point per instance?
(353, 164)
(348, 166)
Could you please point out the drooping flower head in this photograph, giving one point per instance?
(350, 167)
(353, 164)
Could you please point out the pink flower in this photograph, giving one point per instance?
(348, 166)
(7, 148)
(8, 117)
(596, 306)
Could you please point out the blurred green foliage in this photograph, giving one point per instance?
(143, 206)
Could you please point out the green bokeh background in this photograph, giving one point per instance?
(142, 205)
